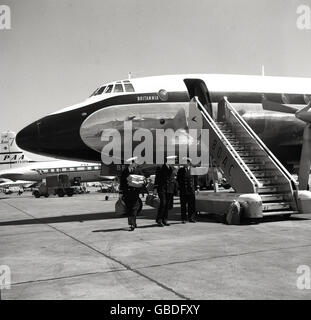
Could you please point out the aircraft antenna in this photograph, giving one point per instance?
(9, 147)
(263, 70)
(129, 75)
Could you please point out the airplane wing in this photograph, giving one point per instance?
(274, 106)
(11, 176)
(20, 183)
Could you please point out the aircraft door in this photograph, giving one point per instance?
(197, 87)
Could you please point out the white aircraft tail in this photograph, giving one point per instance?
(10, 154)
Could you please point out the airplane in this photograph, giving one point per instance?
(76, 171)
(23, 172)
(16, 184)
(75, 132)
(10, 154)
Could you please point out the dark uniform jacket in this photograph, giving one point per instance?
(165, 179)
(187, 183)
(124, 186)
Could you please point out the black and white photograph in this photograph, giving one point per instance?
(155, 151)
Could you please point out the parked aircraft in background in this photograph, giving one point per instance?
(76, 171)
(10, 154)
(17, 169)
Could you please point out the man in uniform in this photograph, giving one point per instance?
(165, 186)
(129, 193)
(188, 184)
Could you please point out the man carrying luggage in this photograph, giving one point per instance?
(131, 183)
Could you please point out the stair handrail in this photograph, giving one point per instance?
(223, 138)
(272, 157)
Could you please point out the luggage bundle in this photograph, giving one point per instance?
(136, 181)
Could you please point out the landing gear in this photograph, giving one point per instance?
(287, 216)
(69, 192)
(60, 193)
(36, 194)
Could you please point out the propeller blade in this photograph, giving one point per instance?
(305, 159)
(275, 106)
(304, 114)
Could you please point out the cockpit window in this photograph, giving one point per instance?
(128, 87)
(100, 90)
(93, 94)
(124, 86)
(118, 88)
(109, 88)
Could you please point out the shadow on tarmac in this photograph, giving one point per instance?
(174, 215)
(154, 225)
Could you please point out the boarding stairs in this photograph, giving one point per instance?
(246, 162)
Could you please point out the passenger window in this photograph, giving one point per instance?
(101, 90)
(129, 87)
(109, 88)
(118, 88)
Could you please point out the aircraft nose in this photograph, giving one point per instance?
(56, 136)
(27, 138)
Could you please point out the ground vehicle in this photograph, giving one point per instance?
(7, 191)
(56, 185)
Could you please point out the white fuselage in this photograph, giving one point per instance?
(38, 171)
(155, 103)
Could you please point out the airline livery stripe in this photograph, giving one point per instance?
(17, 162)
(9, 152)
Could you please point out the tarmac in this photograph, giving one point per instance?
(79, 248)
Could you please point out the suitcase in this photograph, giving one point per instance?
(120, 207)
(153, 201)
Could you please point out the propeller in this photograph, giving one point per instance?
(305, 157)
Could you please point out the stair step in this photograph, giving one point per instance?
(265, 170)
(256, 156)
(222, 125)
(253, 158)
(267, 189)
(266, 182)
(246, 153)
(274, 206)
(263, 175)
(272, 197)
(257, 167)
(240, 149)
(267, 177)
(249, 161)
(278, 213)
(235, 143)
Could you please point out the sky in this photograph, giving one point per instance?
(59, 51)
